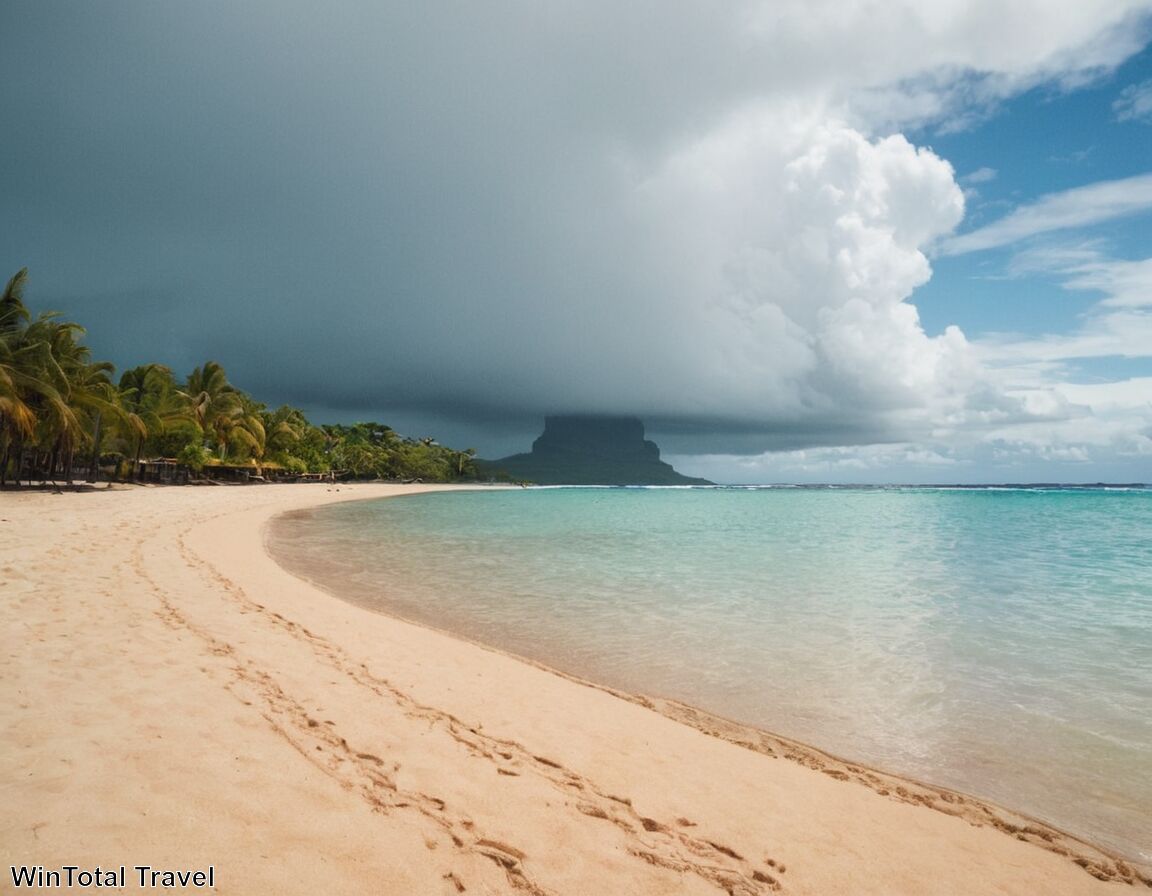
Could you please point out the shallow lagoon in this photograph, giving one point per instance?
(997, 641)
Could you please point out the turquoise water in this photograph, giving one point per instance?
(995, 641)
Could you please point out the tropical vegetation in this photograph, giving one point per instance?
(63, 414)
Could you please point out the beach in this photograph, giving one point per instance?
(175, 699)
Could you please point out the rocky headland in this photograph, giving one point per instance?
(592, 450)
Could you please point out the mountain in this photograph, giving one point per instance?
(588, 450)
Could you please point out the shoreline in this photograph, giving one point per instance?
(208, 706)
(892, 784)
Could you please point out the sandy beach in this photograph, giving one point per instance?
(173, 698)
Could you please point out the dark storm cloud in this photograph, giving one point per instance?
(472, 215)
(374, 208)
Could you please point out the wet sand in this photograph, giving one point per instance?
(172, 697)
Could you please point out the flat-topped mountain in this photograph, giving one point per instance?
(588, 450)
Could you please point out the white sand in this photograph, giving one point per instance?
(172, 697)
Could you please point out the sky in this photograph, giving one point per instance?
(803, 240)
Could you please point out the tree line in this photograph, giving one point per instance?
(62, 412)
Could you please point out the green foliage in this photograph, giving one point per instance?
(375, 451)
(56, 401)
(194, 455)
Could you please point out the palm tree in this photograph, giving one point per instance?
(88, 396)
(245, 431)
(45, 378)
(465, 461)
(214, 404)
(16, 417)
(18, 358)
(284, 427)
(153, 409)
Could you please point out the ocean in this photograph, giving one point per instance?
(997, 641)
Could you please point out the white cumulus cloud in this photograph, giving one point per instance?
(800, 256)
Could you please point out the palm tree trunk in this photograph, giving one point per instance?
(94, 466)
(139, 451)
(68, 455)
